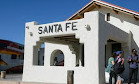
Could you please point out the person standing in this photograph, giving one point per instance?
(55, 61)
(133, 66)
(120, 62)
(111, 73)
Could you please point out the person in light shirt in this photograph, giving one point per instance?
(112, 78)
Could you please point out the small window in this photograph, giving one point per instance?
(21, 48)
(108, 17)
(57, 58)
(21, 57)
(13, 56)
(38, 55)
(3, 45)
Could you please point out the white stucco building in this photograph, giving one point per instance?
(86, 39)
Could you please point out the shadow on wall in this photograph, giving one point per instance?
(108, 31)
(133, 46)
(121, 36)
(128, 18)
(136, 46)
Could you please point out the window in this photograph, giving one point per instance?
(108, 17)
(13, 56)
(21, 57)
(21, 48)
(57, 58)
(3, 45)
(38, 55)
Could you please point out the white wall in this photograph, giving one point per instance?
(126, 23)
(94, 41)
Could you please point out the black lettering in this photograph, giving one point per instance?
(40, 30)
(67, 26)
(59, 28)
(74, 26)
(50, 28)
(45, 30)
(55, 27)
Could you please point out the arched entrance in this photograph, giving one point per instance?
(57, 58)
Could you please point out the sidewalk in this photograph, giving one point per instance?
(17, 79)
(12, 77)
(16, 82)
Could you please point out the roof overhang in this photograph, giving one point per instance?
(97, 4)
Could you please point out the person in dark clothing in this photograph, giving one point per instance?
(112, 78)
(120, 62)
(133, 66)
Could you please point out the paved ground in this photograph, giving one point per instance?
(17, 79)
(12, 77)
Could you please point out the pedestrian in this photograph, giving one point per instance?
(120, 62)
(133, 66)
(55, 61)
(110, 71)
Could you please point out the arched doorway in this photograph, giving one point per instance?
(57, 58)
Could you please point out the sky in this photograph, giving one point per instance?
(15, 13)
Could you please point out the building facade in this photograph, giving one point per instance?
(11, 56)
(86, 41)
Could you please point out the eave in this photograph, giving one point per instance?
(97, 4)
